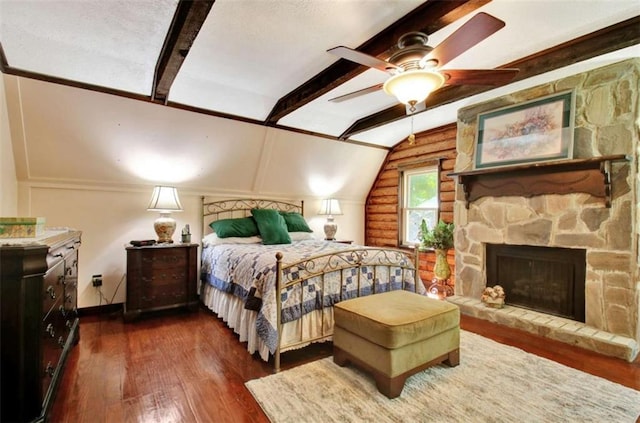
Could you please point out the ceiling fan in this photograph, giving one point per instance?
(416, 67)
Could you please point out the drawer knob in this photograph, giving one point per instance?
(52, 292)
(62, 311)
(49, 370)
(69, 324)
(61, 342)
(50, 330)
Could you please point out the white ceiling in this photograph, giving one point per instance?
(251, 53)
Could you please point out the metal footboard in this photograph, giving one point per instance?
(298, 274)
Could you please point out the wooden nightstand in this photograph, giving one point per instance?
(161, 277)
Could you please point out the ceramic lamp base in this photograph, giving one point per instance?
(165, 226)
(330, 229)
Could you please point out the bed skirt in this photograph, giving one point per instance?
(316, 326)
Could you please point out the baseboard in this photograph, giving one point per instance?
(101, 310)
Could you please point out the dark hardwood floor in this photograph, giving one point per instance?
(189, 367)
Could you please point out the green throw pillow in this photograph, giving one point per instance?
(239, 227)
(272, 227)
(295, 222)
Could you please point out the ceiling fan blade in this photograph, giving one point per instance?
(478, 76)
(468, 35)
(362, 58)
(356, 93)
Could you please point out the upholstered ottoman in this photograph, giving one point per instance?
(394, 335)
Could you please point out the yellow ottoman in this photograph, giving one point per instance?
(394, 335)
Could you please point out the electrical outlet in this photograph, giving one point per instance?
(96, 280)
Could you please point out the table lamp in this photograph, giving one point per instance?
(329, 208)
(164, 200)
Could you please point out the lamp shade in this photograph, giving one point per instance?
(164, 199)
(413, 86)
(330, 206)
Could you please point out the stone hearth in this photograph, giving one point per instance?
(606, 110)
(553, 327)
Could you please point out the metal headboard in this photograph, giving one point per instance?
(241, 207)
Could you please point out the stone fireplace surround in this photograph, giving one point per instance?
(605, 124)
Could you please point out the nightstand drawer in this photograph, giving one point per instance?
(159, 260)
(163, 277)
(164, 258)
(152, 296)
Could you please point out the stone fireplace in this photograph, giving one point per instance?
(605, 229)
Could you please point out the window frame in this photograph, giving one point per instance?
(404, 173)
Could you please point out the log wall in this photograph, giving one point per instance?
(382, 208)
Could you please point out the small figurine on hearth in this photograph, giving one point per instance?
(493, 296)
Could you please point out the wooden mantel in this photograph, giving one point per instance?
(592, 176)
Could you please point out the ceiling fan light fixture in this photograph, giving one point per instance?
(413, 86)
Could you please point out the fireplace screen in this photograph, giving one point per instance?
(545, 279)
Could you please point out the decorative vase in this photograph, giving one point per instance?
(441, 271)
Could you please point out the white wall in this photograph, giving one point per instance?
(8, 181)
(89, 161)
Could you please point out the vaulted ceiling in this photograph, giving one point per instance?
(266, 61)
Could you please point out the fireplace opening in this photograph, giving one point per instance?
(546, 279)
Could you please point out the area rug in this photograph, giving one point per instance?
(493, 383)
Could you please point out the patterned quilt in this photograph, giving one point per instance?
(248, 271)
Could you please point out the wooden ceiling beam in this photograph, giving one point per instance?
(428, 18)
(606, 40)
(187, 22)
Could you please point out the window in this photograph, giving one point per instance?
(420, 200)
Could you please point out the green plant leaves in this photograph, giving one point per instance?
(438, 238)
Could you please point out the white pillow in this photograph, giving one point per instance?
(214, 239)
(301, 236)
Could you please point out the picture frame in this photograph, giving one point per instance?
(534, 131)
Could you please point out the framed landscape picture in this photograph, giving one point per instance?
(535, 131)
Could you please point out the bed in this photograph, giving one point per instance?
(279, 297)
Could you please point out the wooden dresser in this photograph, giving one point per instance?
(40, 322)
(161, 277)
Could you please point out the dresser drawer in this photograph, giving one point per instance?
(54, 336)
(52, 287)
(50, 361)
(70, 303)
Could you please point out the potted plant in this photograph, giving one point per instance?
(440, 239)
